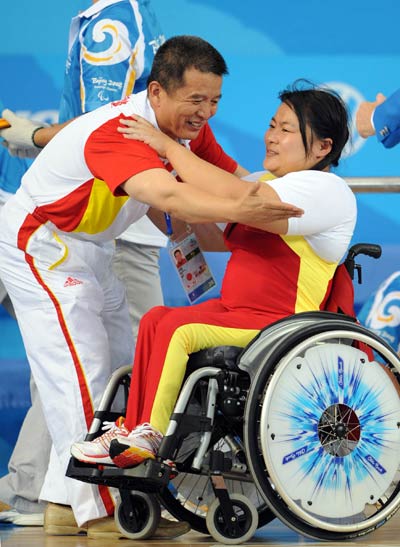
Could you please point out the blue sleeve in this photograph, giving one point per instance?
(12, 170)
(381, 312)
(110, 58)
(107, 47)
(387, 121)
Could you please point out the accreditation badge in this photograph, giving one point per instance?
(191, 266)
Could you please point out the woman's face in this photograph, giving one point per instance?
(285, 151)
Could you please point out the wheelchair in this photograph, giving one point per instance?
(303, 424)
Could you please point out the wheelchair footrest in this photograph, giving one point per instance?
(149, 476)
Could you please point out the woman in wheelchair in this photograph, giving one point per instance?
(270, 274)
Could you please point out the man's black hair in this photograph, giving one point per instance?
(181, 53)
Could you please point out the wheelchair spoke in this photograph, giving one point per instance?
(192, 491)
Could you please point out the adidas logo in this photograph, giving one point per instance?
(71, 281)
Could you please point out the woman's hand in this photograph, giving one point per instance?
(141, 130)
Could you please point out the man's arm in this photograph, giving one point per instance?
(197, 171)
(215, 185)
(256, 205)
(208, 235)
(157, 217)
(211, 179)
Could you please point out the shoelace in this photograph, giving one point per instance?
(142, 427)
(147, 432)
(108, 425)
(111, 430)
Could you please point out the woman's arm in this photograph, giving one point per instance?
(190, 168)
(210, 237)
(211, 181)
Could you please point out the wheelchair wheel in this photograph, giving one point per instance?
(141, 519)
(245, 526)
(323, 430)
(190, 495)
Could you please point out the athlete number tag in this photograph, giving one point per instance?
(194, 273)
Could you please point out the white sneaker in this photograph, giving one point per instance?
(12, 516)
(141, 444)
(97, 451)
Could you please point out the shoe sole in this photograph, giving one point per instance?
(84, 458)
(125, 456)
(21, 519)
(29, 520)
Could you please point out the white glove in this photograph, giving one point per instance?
(19, 135)
(20, 151)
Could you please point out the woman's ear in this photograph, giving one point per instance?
(323, 147)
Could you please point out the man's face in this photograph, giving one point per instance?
(183, 112)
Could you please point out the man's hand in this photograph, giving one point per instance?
(19, 137)
(364, 116)
(259, 209)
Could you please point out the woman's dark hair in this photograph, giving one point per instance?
(324, 112)
(180, 53)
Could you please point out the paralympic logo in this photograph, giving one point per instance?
(115, 52)
(386, 312)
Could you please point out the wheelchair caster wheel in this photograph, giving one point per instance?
(139, 518)
(245, 526)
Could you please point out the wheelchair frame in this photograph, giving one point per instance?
(234, 444)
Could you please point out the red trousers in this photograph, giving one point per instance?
(166, 338)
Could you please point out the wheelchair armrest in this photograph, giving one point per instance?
(369, 249)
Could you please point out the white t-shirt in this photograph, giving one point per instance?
(329, 205)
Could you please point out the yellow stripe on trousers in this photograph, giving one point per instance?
(188, 339)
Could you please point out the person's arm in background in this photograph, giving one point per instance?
(381, 118)
(25, 138)
(386, 120)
